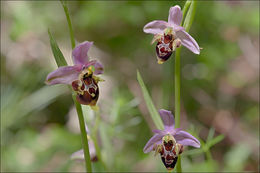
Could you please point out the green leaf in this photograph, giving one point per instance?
(184, 11)
(190, 16)
(59, 58)
(66, 10)
(215, 140)
(211, 134)
(149, 103)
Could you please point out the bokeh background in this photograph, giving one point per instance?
(219, 90)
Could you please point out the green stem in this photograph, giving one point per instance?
(77, 105)
(187, 22)
(177, 76)
(178, 166)
(208, 155)
(83, 134)
(66, 10)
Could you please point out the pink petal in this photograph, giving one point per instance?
(155, 27)
(167, 118)
(80, 52)
(156, 131)
(156, 139)
(175, 15)
(188, 41)
(99, 68)
(186, 139)
(63, 75)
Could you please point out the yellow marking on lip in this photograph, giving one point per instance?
(160, 61)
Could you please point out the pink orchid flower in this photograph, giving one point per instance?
(170, 35)
(81, 75)
(169, 142)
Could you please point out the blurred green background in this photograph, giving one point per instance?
(219, 90)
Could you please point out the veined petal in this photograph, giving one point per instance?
(80, 52)
(155, 27)
(63, 75)
(99, 68)
(156, 139)
(167, 118)
(188, 41)
(175, 15)
(185, 138)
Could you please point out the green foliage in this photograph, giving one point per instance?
(59, 58)
(149, 103)
(36, 120)
(190, 15)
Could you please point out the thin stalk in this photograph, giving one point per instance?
(66, 10)
(189, 8)
(77, 105)
(208, 155)
(178, 166)
(83, 134)
(177, 76)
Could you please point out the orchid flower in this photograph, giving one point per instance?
(170, 35)
(169, 142)
(81, 75)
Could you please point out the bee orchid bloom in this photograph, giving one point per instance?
(81, 75)
(170, 35)
(170, 141)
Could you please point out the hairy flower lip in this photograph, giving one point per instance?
(180, 136)
(174, 20)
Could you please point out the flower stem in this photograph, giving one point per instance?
(177, 76)
(83, 134)
(187, 22)
(66, 10)
(77, 105)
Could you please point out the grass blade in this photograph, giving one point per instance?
(149, 103)
(190, 16)
(215, 140)
(59, 58)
